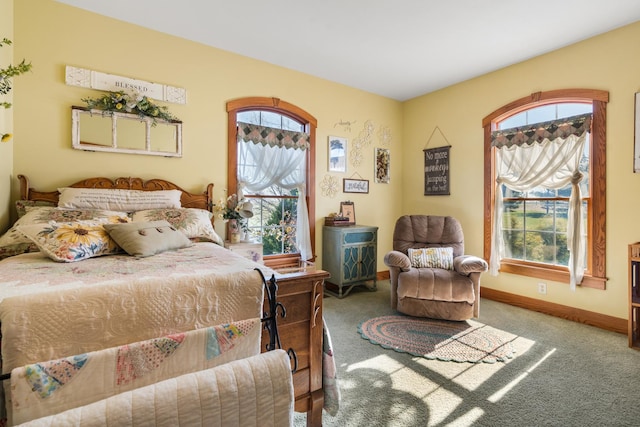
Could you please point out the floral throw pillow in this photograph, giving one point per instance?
(431, 258)
(14, 242)
(71, 241)
(195, 223)
(22, 205)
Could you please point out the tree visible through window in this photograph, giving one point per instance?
(534, 222)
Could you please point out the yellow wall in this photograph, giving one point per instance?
(53, 35)
(6, 116)
(608, 62)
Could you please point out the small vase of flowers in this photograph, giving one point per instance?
(235, 211)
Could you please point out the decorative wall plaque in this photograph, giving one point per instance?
(436, 171)
(102, 81)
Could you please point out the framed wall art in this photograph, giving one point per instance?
(337, 154)
(351, 185)
(382, 163)
(347, 209)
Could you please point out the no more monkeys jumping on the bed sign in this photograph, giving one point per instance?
(436, 171)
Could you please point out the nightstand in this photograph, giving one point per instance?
(349, 254)
(249, 250)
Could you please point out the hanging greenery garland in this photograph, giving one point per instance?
(124, 102)
(6, 85)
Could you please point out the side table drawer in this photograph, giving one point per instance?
(357, 237)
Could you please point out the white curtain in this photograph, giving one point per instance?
(267, 157)
(543, 155)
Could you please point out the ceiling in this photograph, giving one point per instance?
(399, 49)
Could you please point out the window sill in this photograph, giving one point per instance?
(556, 274)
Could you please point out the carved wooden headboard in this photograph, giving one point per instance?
(188, 200)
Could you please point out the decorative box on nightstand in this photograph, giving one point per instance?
(249, 250)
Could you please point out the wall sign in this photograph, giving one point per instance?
(101, 81)
(350, 185)
(436, 171)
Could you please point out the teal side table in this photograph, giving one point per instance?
(349, 254)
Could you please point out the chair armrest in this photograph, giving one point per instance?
(467, 264)
(397, 259)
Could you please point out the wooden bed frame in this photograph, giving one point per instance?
(299, 291)
(188, 200)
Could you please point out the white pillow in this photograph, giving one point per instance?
(117, 199)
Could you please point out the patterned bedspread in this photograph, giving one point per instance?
(50, 310)
(50, 387)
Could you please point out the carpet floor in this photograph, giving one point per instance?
(563, 373)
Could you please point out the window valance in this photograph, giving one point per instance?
(538, 132)
(272, 137)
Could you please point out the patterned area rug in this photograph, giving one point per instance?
(468, 341)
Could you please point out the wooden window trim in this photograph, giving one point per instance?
(286, 109)
(595, 276)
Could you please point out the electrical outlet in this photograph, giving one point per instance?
(542, 288)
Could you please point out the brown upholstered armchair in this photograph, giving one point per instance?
(452, 294)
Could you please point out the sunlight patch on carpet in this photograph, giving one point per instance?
(468, 341)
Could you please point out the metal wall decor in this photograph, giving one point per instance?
(329, 186)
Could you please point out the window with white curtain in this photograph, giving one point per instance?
(271, 158)
(544, 197)
(272, 174)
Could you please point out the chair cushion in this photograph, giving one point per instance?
(435, 284)
(424, 231)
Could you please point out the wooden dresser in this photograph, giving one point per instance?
(301, 329)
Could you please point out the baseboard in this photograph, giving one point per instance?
(610, 323)
(382, 275)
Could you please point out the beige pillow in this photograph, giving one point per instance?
(117, 199)
(194, 223)
(144, 239)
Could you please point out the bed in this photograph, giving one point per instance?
(104, 307)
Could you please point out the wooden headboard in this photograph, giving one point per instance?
(188, 200)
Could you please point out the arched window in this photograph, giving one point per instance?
(529, 229)
(271, 159)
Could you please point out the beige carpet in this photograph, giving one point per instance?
(563, 374)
